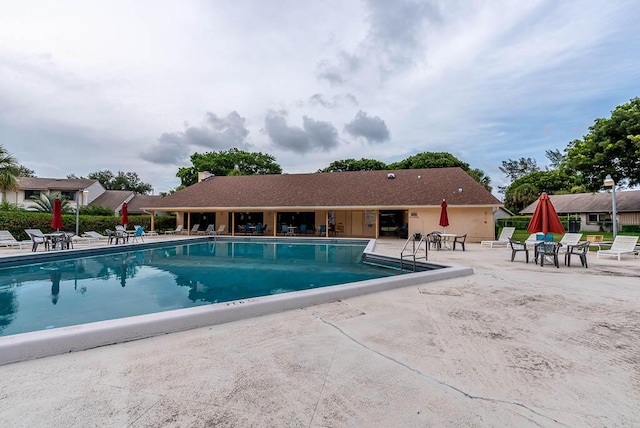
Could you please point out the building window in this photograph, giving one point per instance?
(69, 195)
(31, 194)
(599, 218)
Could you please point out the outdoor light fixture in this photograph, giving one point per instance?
(608, 182)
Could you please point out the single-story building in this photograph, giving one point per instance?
(594, 210)
(355, 204)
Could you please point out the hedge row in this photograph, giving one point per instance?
(16, 221)
(521, 222)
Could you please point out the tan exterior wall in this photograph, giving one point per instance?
(477, 222)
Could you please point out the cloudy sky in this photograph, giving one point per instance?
(141, 85)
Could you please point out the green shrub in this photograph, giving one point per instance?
(630, 228)
(520, 222)
(16, 221)
(96, 210)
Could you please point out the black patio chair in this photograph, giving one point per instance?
(580, 250)
(517, 246)
(459, 240)
(434, 239)
(548, 251)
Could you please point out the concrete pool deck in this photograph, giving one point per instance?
(514, 344)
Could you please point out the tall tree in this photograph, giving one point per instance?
(442, 160)
(515, 169)
(120, 181)
(228, 162)
(430, 160)
(612, 146)
(555, 158)
(355, 165)
(481, 177)
(9, 170)
(420, 160)
(517, 195)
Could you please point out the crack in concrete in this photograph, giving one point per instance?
(326, 376)
(440, 382)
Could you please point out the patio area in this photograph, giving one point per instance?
(514, 344)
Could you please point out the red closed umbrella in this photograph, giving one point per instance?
(545, 219)
(444, 218)
(56, 221)
(125, 215)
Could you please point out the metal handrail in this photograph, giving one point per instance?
(414, 251)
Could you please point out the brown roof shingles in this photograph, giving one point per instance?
(34, 183)
(139, 202)
(410, 187)
(112, 198)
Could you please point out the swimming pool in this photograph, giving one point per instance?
(137, 291)
(62, 293)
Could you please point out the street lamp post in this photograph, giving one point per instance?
(608, 181)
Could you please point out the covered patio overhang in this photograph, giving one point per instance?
(350, 221)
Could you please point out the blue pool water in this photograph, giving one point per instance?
(75, 291)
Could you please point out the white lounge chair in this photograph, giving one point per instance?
(208, 230)
(621, 245)
(95, 236)
(503, 239)
(193, 231)
(173, 232)
(571, 239)
(220, 230)
(7, 240)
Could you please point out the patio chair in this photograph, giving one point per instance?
(259, 230)
(7, 240)
(434, 239)
(220, 230)
(193, 231)
(323, 230)
(459, 240)
(138, 234)
(178, 229)
(284, 229)
(548, 251)
(303, 229)
(208, 230)
(517, 246)
(503, 239)
(623, 244)
(37, 238)
(580, 250)
(571, 238)
(111, 236)
(65, 240)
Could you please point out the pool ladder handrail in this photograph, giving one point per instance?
(413, 251)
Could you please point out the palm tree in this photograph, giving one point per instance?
(525, 194)
(44, 203)
(9, 169)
